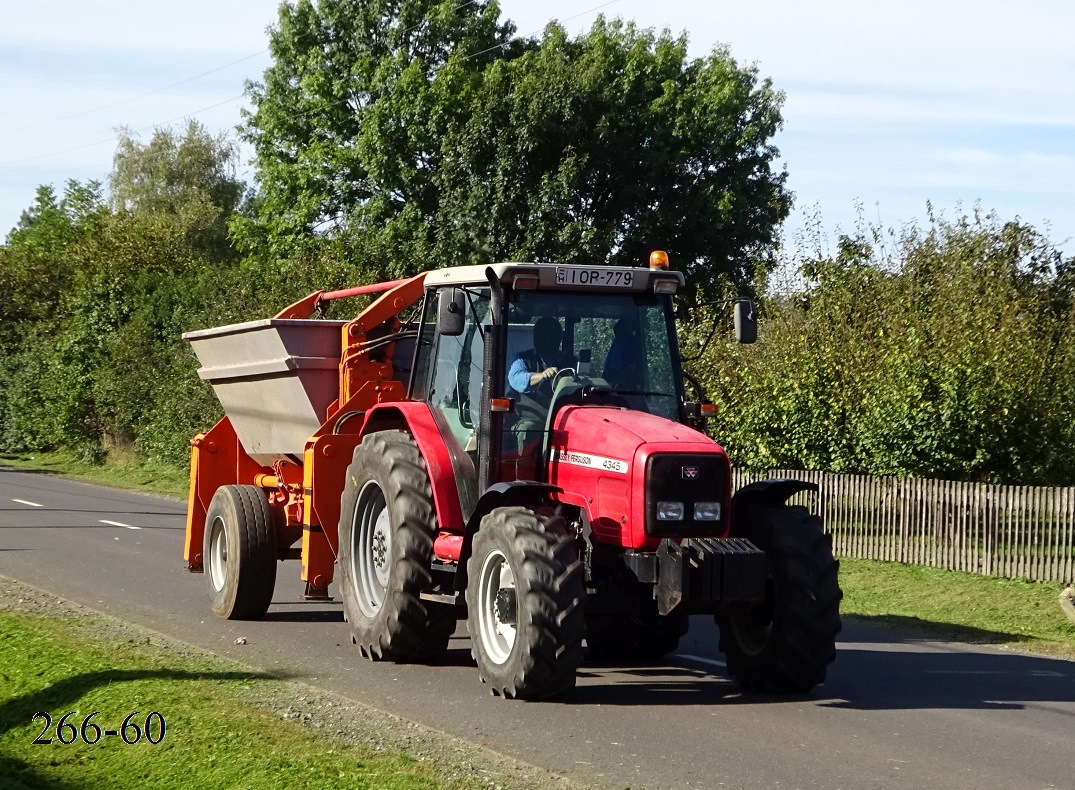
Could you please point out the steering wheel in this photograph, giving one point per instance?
(561, 376)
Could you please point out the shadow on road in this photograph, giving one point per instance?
(305, 616)
(878, 667)
(898, 628)
(881, 668)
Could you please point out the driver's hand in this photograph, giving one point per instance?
(549, 372)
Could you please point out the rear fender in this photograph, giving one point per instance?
(766, 492)
(444, 466)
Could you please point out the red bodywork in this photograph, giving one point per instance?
(599, 460)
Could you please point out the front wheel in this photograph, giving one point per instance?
(786, 644)
(525, 594)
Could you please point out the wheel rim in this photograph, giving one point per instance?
(371, 549)
(496, 634)
(218, 554)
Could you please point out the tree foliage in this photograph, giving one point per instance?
(953, 357)
(100, 291)
(422, 128)
(187, 180)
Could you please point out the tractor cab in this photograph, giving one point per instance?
(515, 347)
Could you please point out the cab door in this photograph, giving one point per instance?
(448, 376)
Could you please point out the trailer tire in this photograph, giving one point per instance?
(786, 644)
(239, 552)
(525, 596)
(386, 532)
(635, 636)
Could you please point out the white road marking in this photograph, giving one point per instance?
(24, 502)
(1038, 673)
(118, 524)
(712, 661)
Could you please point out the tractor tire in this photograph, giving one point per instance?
(785, 645)
(386, 532)
(525, 594)
(239, 553)
(634, 636)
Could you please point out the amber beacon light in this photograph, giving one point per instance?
(658, 259)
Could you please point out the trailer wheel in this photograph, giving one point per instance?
(786, 644)
(634, 636)
(525, 597)
(239, 553)
(387, 526)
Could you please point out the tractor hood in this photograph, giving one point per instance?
(615, 427)
(605, 458)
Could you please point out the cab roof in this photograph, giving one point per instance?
(553, 276)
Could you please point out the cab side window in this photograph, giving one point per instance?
(456, 376)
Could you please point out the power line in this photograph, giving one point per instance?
(116, 137)
(184, 116)
(133, 98)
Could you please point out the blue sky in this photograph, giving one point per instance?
(888, 105)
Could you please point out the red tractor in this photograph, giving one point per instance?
(511, 444)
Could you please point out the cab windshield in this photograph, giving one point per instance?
(619, 342)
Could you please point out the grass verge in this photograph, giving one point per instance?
(120, 470)
(959, 605)
(213, 738)
(227, 725)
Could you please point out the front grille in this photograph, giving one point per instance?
(687, 479)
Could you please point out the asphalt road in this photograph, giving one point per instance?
(896, 712)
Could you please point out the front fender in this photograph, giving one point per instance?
(516, 492)
(769, 492)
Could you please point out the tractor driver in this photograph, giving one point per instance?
(529, 380)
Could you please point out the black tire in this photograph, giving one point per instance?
(239, 553)
(786, 645)
(387, 527)
(643, 636)
(525, 595)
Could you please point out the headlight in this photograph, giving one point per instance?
(707, 511)
(670, 511)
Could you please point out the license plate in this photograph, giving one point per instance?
(604, 278)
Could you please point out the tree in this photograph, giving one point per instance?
(336, 64)
(187, 178)
(421, 128)
(952, 357)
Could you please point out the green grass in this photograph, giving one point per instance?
(214, 737)
(961, 605)
(120, 470)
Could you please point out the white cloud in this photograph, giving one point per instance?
(862, 108)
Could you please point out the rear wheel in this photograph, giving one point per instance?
(387, 526)
(525, 596)
(786, 644)
(239, 553)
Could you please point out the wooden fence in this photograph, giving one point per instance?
(1018, 532)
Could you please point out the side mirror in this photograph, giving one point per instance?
(585, 355)
(746, 321)
(451, 312)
